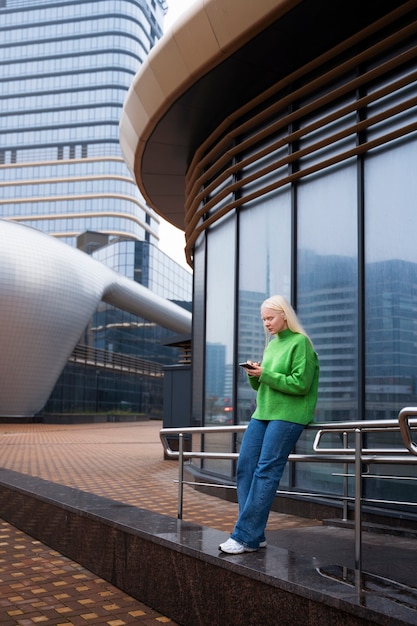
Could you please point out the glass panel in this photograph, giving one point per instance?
(264, 269)
(271, 157)
(220, 315)
(327, 285)
(198, 340)
(393, 100)
(391, 305)
(325, 134)
(391, 281)
(327, 301)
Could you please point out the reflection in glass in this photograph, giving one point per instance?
(391, 281)
(220, 315)
(264, 269)
(327, 285)
(327, 302)
(390, 303)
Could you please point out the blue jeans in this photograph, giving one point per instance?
(264, 453)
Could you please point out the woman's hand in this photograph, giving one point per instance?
(255, 370)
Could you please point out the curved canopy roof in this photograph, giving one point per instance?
(220, 55)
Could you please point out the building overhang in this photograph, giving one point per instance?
(217, 58)
(181, 92)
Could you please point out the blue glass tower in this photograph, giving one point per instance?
(65, 70)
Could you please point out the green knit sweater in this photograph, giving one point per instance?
(287, 388)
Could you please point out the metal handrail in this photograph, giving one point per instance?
(357, 455)
(405, 420)
(105, 359)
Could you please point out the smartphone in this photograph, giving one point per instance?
(247, 366)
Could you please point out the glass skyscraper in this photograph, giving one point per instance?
(65, 70)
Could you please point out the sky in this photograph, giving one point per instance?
(175, 8)
(172, 239)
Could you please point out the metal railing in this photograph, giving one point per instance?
(345, 454)
(106, 359)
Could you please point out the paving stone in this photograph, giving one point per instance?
(122, 461)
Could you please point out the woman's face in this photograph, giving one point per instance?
(274, 321)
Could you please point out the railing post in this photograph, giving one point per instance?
(180, 474)
(358, 500)
(345, 481)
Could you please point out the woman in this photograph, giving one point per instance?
(286, 383)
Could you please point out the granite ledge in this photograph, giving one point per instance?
(127, 546)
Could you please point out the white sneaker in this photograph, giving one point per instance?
(263, 544)
(234, 547)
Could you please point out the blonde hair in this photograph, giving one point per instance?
(281, 304)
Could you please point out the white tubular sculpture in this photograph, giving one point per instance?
(48, 293)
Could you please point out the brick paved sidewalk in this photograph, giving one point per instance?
(40, 586)
(122, 461)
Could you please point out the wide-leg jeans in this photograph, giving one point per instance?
(265, 448)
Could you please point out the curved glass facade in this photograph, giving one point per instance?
(314, 199)
(65, 71)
